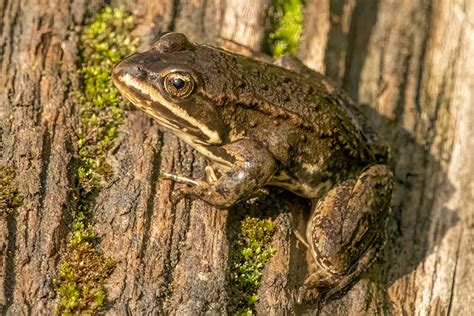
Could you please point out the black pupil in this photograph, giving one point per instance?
(178, 83)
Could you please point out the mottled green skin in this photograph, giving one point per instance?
(275, 126)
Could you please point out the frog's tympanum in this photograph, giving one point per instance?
(261, 124)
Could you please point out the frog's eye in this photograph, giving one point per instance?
(179, 84)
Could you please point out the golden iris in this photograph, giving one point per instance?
(179, 84)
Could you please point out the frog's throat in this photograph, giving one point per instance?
(213, 136)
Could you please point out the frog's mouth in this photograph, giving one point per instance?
(168, 114)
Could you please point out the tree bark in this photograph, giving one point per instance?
(407, 63)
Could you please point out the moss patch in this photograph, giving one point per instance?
(105, 40)
(251, 253)
(287, 18)
(10, 197)
(82, 274)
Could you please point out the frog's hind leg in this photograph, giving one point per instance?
(347, 228)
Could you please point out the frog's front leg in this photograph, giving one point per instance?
(347, 228)
(252, 168)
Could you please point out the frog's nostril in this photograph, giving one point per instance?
(135, 71)
(124, 68)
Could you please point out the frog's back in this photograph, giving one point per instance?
(315, 99)
(302, 95)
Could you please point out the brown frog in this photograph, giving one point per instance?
(261, 124)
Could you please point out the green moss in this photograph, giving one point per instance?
(105, 40)
(287, 18)
(10, 197)
(82, 275)
(252, 253)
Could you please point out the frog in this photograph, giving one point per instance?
(262, 124)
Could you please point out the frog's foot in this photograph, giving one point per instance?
(301, 238)
(187, 186)
(321, 285)
(206, 190)
(310, 291)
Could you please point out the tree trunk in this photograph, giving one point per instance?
(407, 63)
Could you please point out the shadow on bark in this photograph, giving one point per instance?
(418, 179)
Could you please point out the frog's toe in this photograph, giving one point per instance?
(299, 295)
(307, 293)
(316, 287)
(177, 195)
(178, 178)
